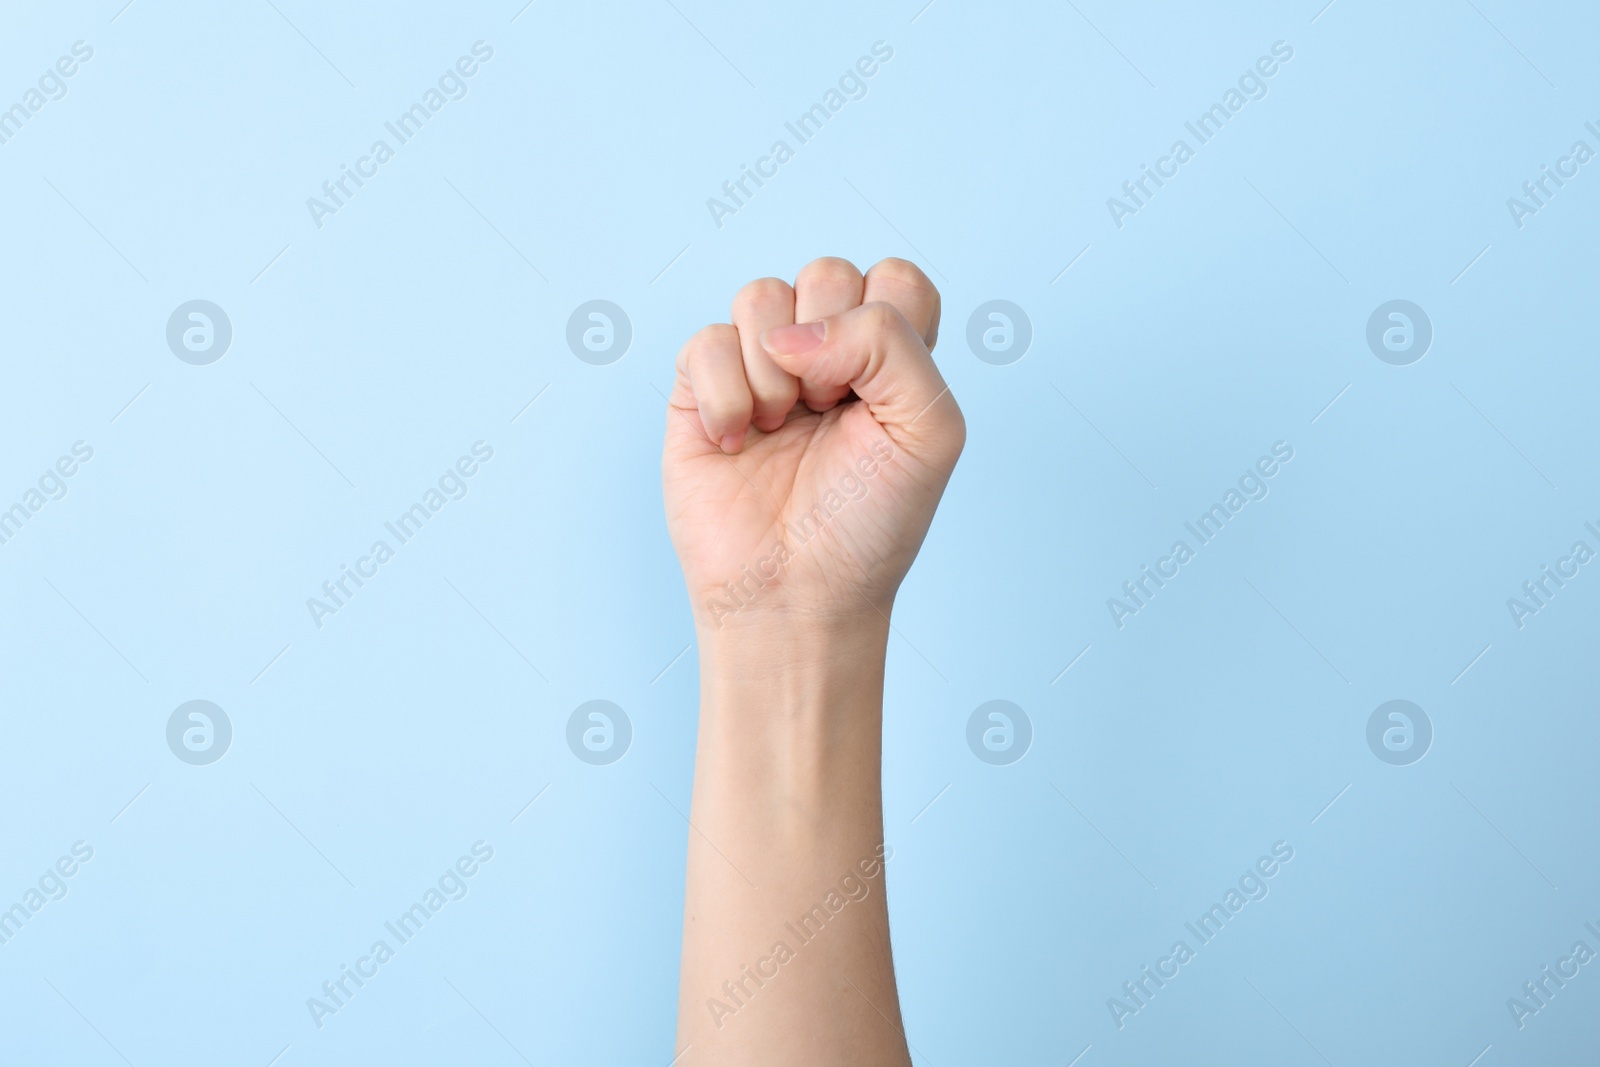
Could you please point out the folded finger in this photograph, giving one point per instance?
(902, 284)
(760, 306)
(711, 372)
(825, 287)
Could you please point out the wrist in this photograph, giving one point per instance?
(774, 612)
(791, 724)
(790, 660)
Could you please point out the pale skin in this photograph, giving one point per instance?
(801, 470)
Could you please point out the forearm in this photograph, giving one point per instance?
(786, 932)
(807, 445)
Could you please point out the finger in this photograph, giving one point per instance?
(902, 283)
(760, 306)
(711, 381)
(876, 352)
(825, 287)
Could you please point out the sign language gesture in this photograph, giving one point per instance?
(808, 444)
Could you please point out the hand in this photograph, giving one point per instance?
(808, 444)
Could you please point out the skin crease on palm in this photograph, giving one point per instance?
(820, 403)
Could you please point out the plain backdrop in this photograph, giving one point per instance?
(1168, 354)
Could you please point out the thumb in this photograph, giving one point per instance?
(879, 355)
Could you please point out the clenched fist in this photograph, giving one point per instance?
(808, 444)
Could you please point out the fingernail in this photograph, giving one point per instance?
(732, 442)
(793, 340)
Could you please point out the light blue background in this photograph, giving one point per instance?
(370, 353)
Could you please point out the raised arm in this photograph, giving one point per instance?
(802, 467)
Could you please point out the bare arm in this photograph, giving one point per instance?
(801, 471)
(795, 967)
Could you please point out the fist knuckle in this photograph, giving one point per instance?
(830, 272)
(762, 295)
(707, 339)
(905, 276)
